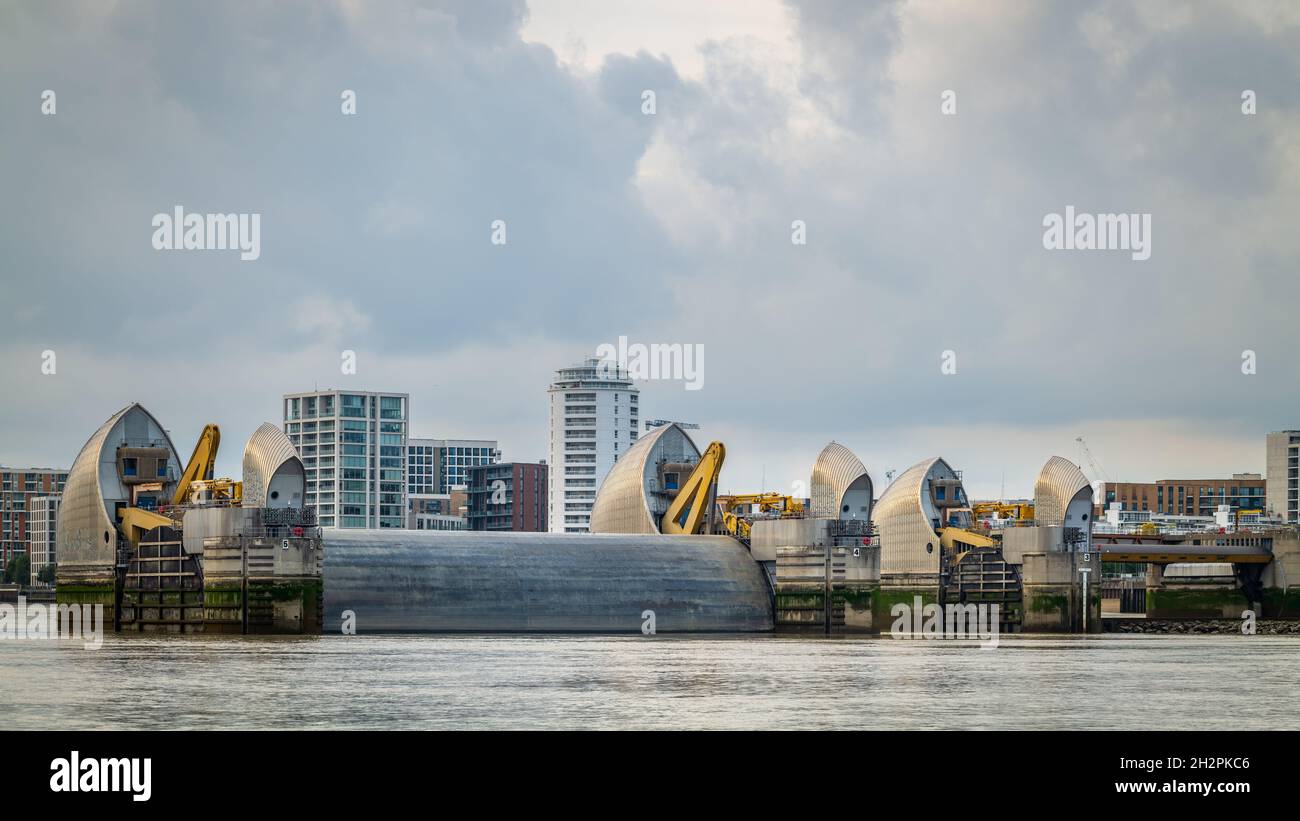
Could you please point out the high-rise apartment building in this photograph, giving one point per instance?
(508, 496)
(1282, 468)
(594, 410)
(43, 519)
(353, 447)
(19, 487)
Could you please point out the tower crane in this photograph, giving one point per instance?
(1097, 472)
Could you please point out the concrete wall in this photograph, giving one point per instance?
(1281, 578)
(211, 522)
(826, 589)
(449, 581)
(767, 536)
(1017, 541)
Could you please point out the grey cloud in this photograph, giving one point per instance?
(924, 231)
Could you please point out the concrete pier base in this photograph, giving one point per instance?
(1053, 593)
(902, 589)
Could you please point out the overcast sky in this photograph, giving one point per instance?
(924, 230)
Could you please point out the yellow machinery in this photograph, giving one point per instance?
(196, 485)
(1003, 510)
(689, 511)
(959, 540)
(200, 464)
(216, 491)
(136, 521)
(736, 525)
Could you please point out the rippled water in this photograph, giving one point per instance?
(392, 682)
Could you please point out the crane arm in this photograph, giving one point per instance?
(136, 521)
(687, 512)
(201, 462)
(1097, 472)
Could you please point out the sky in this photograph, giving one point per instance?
(920, 145)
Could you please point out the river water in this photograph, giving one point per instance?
(636, 682)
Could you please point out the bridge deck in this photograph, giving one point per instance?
(1152, 550)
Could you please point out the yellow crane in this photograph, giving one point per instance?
(201, 462)
(1004, 510)
(136, 521)
(959, 540)
(788, 506)
(689, 511)
(739, 526)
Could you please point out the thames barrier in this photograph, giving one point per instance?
(166, 546)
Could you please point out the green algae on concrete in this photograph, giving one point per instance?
(1223, 602)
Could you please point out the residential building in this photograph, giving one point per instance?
(1185, 497)
(435, 466)
(453, 503)
(1282, 467)
(19, 487)
(43, 519)
(508, 496)
(353, 448)
(437, 521)
(593, 413)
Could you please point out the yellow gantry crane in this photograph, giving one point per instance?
(738, 526)
(1004, 510)
(689, 511)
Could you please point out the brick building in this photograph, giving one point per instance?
(508, 496)
(1186, 497)
(18, 488)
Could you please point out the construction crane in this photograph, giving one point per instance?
(689, 512)
(1097, 472)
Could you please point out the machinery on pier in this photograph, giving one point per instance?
(739, 511)
(1003, 510)
(196, 487)
(189, 552)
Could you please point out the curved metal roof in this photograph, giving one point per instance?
(623, 503)
(85, 534)
(837, 470)
(267, 451)
(1058, 483)
(904, 524)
